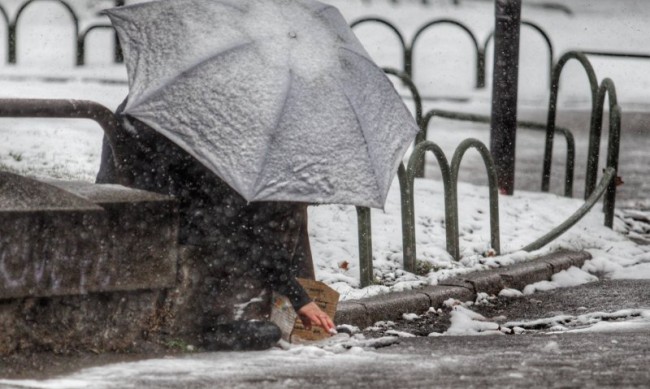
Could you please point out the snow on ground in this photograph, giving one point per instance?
(524, 218)
(622, 320)
(272, 368)
(564, 279)
(70, 149)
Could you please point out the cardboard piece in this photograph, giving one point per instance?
(283, 315)
(327, 299)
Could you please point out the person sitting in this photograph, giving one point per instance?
(246, 247)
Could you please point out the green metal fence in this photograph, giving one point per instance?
(406, 175)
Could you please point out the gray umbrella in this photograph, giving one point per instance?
(277, 97)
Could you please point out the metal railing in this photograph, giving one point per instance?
(476, 118)
(598, 94)
(74, 109)
(80, 36)
(479, 50)
(406, 175)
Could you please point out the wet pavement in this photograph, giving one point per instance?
(537, 358)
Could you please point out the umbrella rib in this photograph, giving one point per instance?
(169, 81)
(356, 117)
(275, 127)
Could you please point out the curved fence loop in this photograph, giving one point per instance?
(613, 148)
(492, 187)
(5, 14)
(81, 41)
(386, 23)
(606, 89)
(406, 49)
(408, 218)
(549, 44)
(552, 107)
(13, 26)
(545, 36)
(480, 57)
(569, 171)
(608, 177)
(462, 116)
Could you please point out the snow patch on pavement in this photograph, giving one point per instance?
(511, 293)
(564, 279)
(621, 320)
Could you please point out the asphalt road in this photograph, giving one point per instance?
(535, 358)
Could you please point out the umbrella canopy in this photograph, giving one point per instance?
(276, 97)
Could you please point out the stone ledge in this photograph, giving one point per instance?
(351, 312)
(66, 238)
(392, 306)
(519, 275)
(365, 312)
(441, 293)
(563, 260)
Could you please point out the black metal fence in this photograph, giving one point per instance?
(449, 171)
(478, 48)
(80, 36)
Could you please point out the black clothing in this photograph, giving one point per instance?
(263, 239)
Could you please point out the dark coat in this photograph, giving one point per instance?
(265, 240)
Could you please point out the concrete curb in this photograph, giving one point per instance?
(363, 313)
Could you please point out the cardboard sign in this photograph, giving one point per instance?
(327, 299)
(283, 315)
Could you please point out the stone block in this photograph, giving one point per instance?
(489, 282)
(440, 293)
(63, 238)
(519, 275)
(99, 322)
(459, 282)
(392, 306)
(141, 235)
(352, 313)
(50, 240)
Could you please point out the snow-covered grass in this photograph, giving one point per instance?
(524, 217)
(70, 149)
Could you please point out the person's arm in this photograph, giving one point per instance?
(307, 310)
(281, 227)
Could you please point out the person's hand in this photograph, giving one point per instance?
(311, 314)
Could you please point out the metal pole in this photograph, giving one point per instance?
(118, 57)
(503, 128)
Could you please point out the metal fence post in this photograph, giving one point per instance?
(503, 128)
(365, 246)
(118, 56)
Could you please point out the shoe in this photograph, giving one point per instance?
(241, 335)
